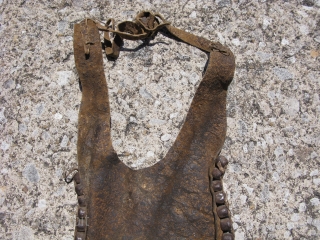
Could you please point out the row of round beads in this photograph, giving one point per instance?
(81, 227)
(222, 210)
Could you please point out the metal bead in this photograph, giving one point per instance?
(223, 160)
(220, 197)
(217, 185)
(79, 189)
(76, 177)
(81, 225)
(223, 211)
(227, 236)
(80, 236)
(81, 213)
(81, 201)
(226, 224)
(216, 174)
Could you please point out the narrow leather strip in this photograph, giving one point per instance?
(107, 40)
(189, 38)
(196, 41)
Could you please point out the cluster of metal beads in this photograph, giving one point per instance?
(220, 204)
(81, 227)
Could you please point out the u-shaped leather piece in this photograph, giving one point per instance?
(174, 199)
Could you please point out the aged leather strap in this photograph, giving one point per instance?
(180, 197)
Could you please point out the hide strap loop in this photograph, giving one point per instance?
(146, 25)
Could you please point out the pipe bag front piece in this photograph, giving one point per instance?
(180, 197)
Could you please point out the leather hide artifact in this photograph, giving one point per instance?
(180, 197)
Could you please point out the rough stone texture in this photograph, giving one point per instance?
(273, 137)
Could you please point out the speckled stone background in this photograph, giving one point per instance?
(273, 137)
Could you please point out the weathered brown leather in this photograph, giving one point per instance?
(180, 196)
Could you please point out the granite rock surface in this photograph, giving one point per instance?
(273, 136)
